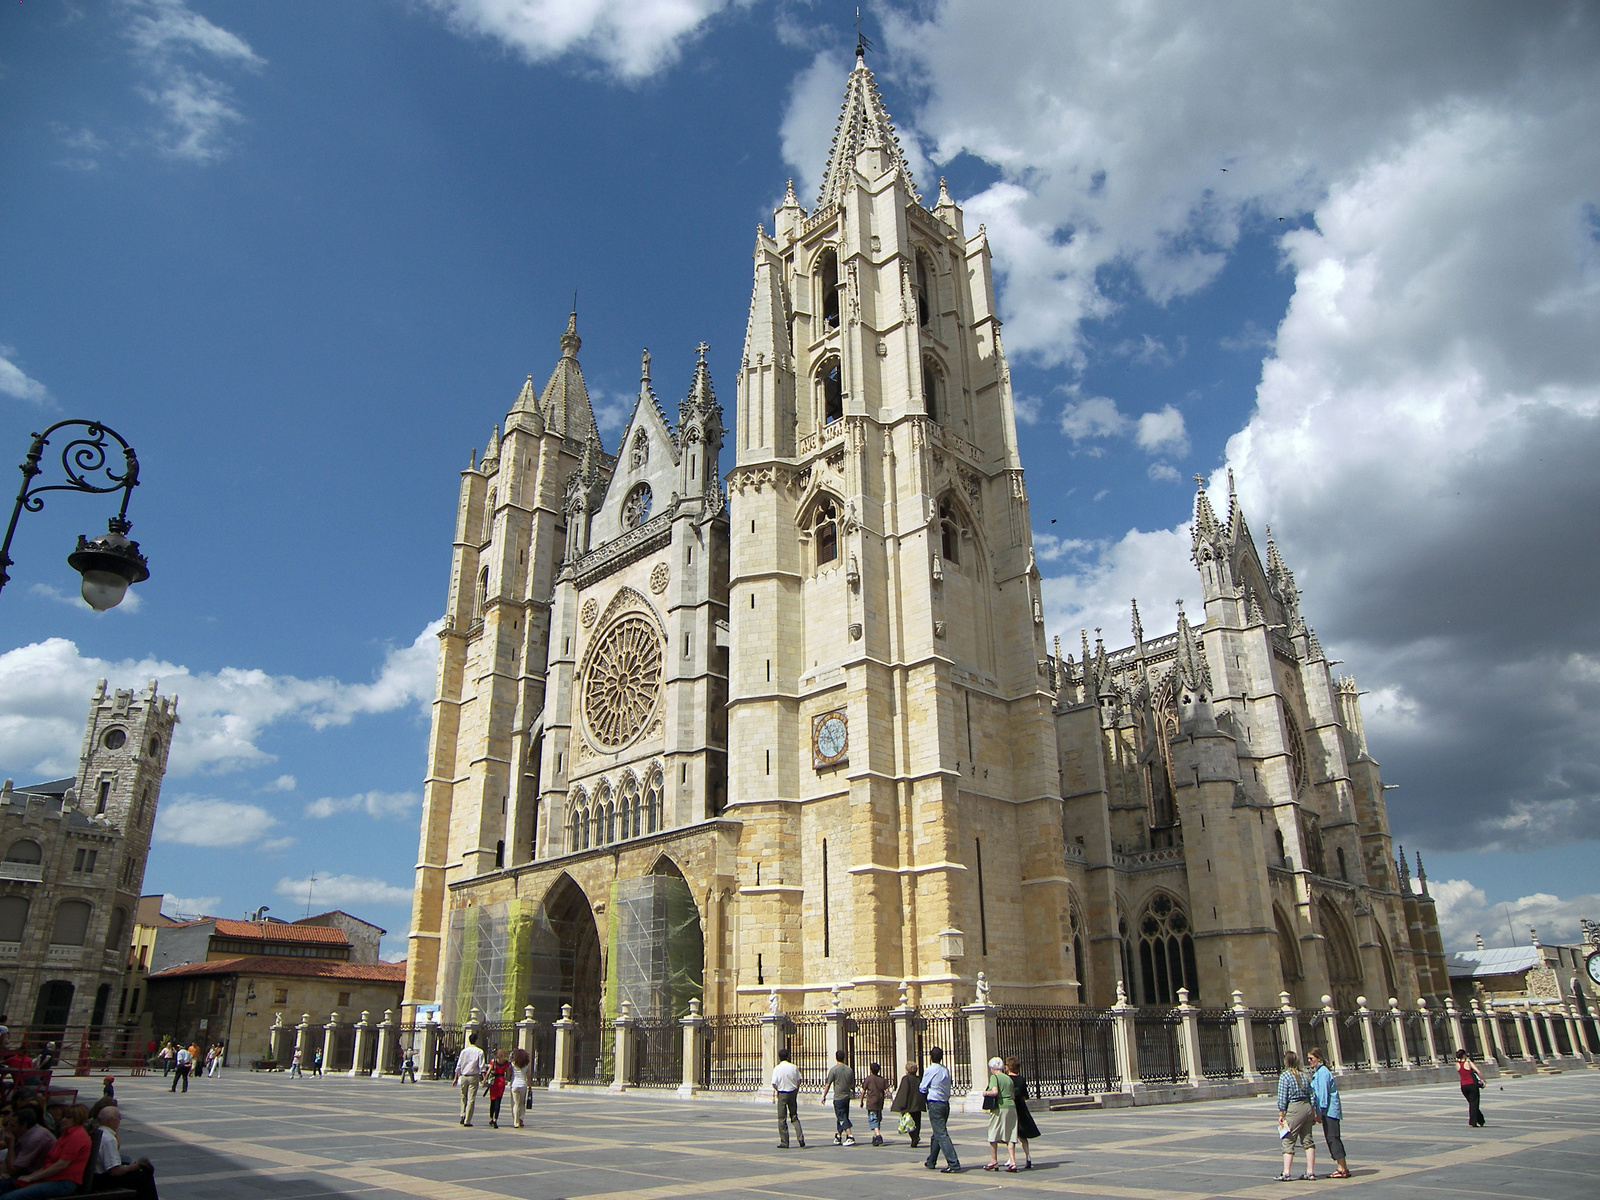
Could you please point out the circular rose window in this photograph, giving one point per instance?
(115, 739)
(622, 681)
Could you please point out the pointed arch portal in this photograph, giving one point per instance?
(566, 966)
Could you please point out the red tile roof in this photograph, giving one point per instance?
(274, 931)
(271, 964)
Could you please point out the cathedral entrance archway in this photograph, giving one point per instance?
(566, 952)
(1289, 957)
(1344, 963)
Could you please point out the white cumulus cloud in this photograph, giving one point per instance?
(189, 907)
(343, 891)
(202, 821)
(374, 804)
(169, 39)
(1465, 912)
(18, 384)
(1162, 432)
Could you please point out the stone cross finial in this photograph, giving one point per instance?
(1200, 482)
(701, 351)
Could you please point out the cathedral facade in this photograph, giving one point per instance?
(806, 732)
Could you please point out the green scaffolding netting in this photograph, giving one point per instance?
(655, 951)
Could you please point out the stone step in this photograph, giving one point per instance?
(1069, 1103)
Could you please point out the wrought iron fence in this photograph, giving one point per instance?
(1383, 1041)
(1267, 1039)
(1155, 1035)
(1508, 1037)
(733, 1053)
(1314, 1033)
(1443, 1039)
(446, 1050)
(1064, 1051)
(1218, 1058)
(1469, 1037)
(807, 1040)
(1558, 1029)
(945, 1026)
(658, 1053)
(1352, 1046)
(870, 1039)
(593, 1045)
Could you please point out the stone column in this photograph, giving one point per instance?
(279, 1036)
(429, 1051)
(1189, 1024)
(694, 1056)
(1244, 1041)
(386, 1035)
(1364, 1019)
(474, 1028)
(904, 1040)
(1124, 1042)
(302, 1040)
(1485, 1038)
(981, 1039)
(1330, 1034)
(1550, 1020)
(1427, 1032)
(625, 1050)
(561, 1073)
(1398, 1020)
(1572, 1029)
(1494, 1029)
(328, 1031)
(528, 1035)
(1454, 1017)
(1530, 1052)
(1291, 1027)
(838, 1028)
(363, 1044)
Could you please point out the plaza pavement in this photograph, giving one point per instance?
(246, 1136)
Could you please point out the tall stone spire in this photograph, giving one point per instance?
(863, 126)
(565, 399)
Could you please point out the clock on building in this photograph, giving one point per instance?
(830, 739)
(1592, 965)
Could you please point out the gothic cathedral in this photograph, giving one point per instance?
(805, 732)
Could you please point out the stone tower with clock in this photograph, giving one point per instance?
(892, 748)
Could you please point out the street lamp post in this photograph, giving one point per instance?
(108, 563)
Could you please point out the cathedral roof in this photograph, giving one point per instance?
(321, 968)
(564, 403)
(863, 124)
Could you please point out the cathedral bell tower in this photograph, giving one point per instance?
(892, 752)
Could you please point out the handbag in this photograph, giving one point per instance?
(991, 1100)
(906, 1123)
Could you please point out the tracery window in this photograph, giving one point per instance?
(488, 518)
(577, 820)
(1166, 952)
(622, 681)
(1299, 773)
(482, 599)
(1344, 962)
(825, 530)
(655, 811)
(832, 386)
(924, 291)
(1161, 727)
(636, 506)
(828, 271)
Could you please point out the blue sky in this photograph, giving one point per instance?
(302, 255)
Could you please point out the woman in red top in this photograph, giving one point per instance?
(499, 1075)
(62, 1173)
(1471, 1088)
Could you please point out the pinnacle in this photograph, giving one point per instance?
(863, 122)
(570, 341)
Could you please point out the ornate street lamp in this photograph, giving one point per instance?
(108, 563)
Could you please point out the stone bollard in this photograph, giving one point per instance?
(1244, 1038)
(694, 1052)
(1189, 1025)
(363, 1044)
(982, 1036)
(1397, 1021)
(904, 1032)
(1291, 1026)
(430, 1047)
(302, 1040)
(625, 1049)
(278, 1038)
(386, 1045)
(1427, 1030)
(561, 1072)
(528, 1038)
(1330, 1030)
(328, 1031)
(1124, 1042)
(1454, 1017)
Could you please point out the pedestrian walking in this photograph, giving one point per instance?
(214, 1065)
(408, 1066)
(1000, 1102)
(183, 1064)
(196, 1066)
(469, 1073)
(1325, 1095)
(873, 1090)
(1297, 1116)
(1027, 1130)
(909, 1104)
(316, 1061)
(294, 1066)
(521, 1082)
(1471, 1088)
(786, 1090)
(935, 1089)
(166, 1057)
(499, 1077)
(839, 1085)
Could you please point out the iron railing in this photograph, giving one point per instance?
(658, 1053)
(1218, 1058)
(1064, 1051)
(1267, 1039)
(733, 1054)
(1155, 1034)
(945, 1026)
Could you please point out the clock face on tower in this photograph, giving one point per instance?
(1592, 965)
(830, 739)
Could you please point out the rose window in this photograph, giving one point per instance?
(622, 681)
(636, 507)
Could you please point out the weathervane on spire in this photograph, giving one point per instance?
(863, 43)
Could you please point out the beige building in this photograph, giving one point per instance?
(74, 856)
(810, 733)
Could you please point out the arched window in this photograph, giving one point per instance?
(655, 810)
(631, 826)
(1344, 872)
(949, 532)
(25, 852)
(115, 739)
(824, 527)
(611, 822)
(13, 917)
(1277, 837)
(483, 592)
(1161, 726)
(1130, 981)
(924, 290)
(930, 389)
(488, 518)
(1080, 965)
(119, 922)
(602, 801)
(577, 820)
(832, 384)
(72, 923)
(1166, 952)
(155, 746)
(828, 272)
(1288, 951)
(138, 811)
(636, 507)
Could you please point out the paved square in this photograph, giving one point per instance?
(279, 1139)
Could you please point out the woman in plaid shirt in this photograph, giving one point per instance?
(1296, 1116)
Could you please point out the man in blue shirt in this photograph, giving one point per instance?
(935, 1087)
(1325, 1099)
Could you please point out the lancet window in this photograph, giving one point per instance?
(629, 812)
(824, 529)
(831, 389)
(930, 389)
(636, 506)
(828, 274)
(1166, 952)
(949, 532)
(924, 291)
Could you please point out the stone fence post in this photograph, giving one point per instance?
(1291, 1026)
(302, 1040)
(362, 1046)
(904, 1033)
(1330, 1033)
(1244, 1038)
(561, 1073)
(528, 1036)
(1485, 1038)
(278, 1036)
(1500, 1054)
(1124, 1042)
(1453, 1015)
(982, 1037)
(328, 1031)
(386, 1045)
(1576, 1041)
(838, 1029)
(430, 1047)
(626, 1048)
(1427, 1031)
(1369, 1040)
(1397, 1021)
(1189, 1033)
(694, 1051)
